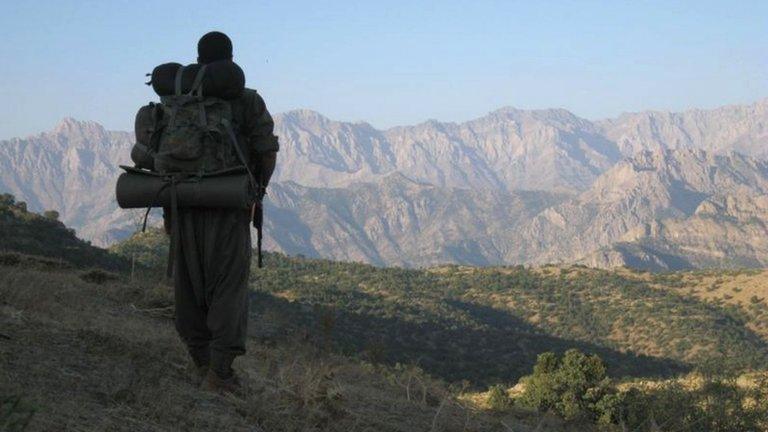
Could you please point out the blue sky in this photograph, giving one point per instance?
(387, 62)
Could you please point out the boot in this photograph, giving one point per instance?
(201, 363)
(198, 373)
(216, 384)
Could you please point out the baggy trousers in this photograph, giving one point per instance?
(211, 284)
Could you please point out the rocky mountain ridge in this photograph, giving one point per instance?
(511, 187)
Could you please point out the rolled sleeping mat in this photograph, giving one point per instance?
(141, 189)
(223, 79)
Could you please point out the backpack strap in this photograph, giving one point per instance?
(157, 127)
(240, 155)
(257, 214)
(177, 81)
(197, 84)
(177, 92)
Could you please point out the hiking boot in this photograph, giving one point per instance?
(201, 361)
(216, 384)
(198, 373)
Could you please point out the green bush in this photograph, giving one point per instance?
(571, 386)
(576, 387)
(498, 398)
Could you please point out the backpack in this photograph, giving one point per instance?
(195, 134)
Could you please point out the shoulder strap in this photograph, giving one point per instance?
(257, 209)
(197, 84)
(240, 155)
(177, 81)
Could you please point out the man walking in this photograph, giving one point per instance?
(212, 265)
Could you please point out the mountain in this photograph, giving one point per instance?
(71, 169)
(671, 209)
(396, 221)
(739, 128)
(508, 149)
(652, 190)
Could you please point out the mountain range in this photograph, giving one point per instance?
(651, 190)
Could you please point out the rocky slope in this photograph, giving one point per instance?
(508, 149)
(71, 169)
(700, 209)
(740, 128)
(397, 221)
(511, 187)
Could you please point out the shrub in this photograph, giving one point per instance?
(51, 214)
(571, 385)
(498, 398)
(98, 276)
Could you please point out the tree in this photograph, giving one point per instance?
(570, 385)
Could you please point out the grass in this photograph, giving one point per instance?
(97, 353)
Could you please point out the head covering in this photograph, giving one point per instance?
(214, 46)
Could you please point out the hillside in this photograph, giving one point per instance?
(106, 357)
(87, 349)
(339, 345)
(487, 325)
(44, 235)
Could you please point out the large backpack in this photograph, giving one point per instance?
(195, 134)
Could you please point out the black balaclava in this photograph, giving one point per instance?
(214, 46)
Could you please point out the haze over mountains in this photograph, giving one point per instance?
(653, 190)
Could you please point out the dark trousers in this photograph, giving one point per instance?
(211, 284)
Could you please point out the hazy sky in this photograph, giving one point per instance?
(387, 62)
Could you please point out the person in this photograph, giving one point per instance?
(214, 253)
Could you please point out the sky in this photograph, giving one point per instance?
(387, 62)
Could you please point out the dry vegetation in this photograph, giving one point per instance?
(84, 350)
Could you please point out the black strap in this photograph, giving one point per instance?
(173, 250)
(258, 248)
(258, 223)
(257, 187)
(149, 209)
(146, 216)
(240, 155)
